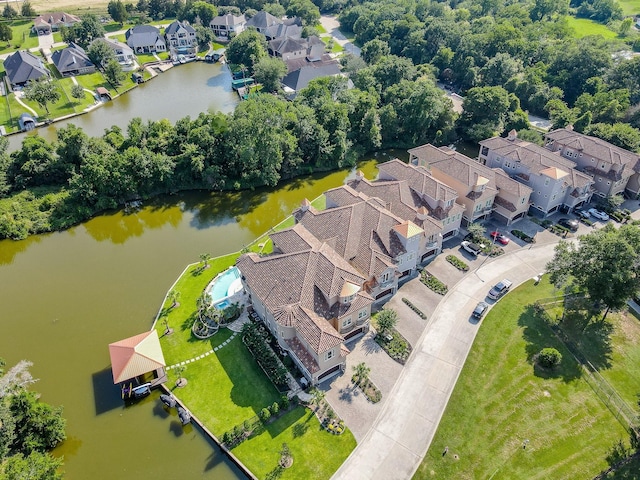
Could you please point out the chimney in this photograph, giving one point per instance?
(305, 205)
(569, 127)
(422, 214)
(359, 175)
(513, 134)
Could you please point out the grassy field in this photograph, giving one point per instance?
(22, 37)
(502, 399)
(583, 27)
(630, 7)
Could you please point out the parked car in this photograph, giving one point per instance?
(499, 237)
(472, 248)
(569, 223)
(500, 289)
(582, 213)
(599, 214)
(480, 310)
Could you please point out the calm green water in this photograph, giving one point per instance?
(66, 296)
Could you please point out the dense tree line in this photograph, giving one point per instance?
(527, 47)
(266, 139)
(29, 429)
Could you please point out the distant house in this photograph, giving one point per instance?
(181, 37)
(262, 20)
(481, 190)
(72, 60)
(613, 169)
(23, 67)
(51, 22)
(283, 30)
(554, 180)
(123, 52)
(228, 25)
(288, 48)
(145, 39)
(299, 79)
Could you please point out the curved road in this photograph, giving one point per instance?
(401, 435)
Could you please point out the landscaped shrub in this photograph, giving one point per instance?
(386, 320)
(275, 408)
(414, 308)
(586, 221)
(284, 402)
(456, 262)
(265, 414)
(433, 283)
(549, 357)
(523, 236)
(255, 341)
(397, 347)
(227, 438)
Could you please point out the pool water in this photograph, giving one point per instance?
(225, 285)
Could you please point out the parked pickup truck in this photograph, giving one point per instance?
(500, 289)
(473, 248)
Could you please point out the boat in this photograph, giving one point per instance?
(168, 400)
(139, 391)
(184, 415)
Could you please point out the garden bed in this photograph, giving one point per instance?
(433, 283)
(396, 346)
(414, 308)
(456, 262)
(369, 390)
(523, 236)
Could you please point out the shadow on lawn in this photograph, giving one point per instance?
(538, 335)
(283, 423)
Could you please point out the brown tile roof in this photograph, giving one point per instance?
(301, 352)
(595, 147)
(419, 179)
(294, 239)
(505, 183)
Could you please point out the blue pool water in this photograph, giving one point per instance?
(220, 288)
(222, 305)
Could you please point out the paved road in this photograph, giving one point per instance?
(396, 444)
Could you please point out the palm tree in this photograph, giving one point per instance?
(173, 297)
(361, 372)
(204, 260)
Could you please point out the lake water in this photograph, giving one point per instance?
(183, 90)
(66, 296)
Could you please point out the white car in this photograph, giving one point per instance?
(600, 215)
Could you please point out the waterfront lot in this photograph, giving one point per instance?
(227, 387)
(502, 400)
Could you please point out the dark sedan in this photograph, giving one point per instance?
(569, 223)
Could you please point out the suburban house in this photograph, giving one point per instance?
(298, 79)
(310, 298)
(283, 30)
(72, 60)
(288, 48)
(554, 181)
(23, 67)
(145, 39)
(228, 25)
(123, 52)
(262, 20)
(479, 189)
(51, 22)
(412, 194)
(613, 169)
(181, 37)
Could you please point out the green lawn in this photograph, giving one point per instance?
(583, 27)
(228, 387)
(22, 37)
(501, 399)
(92, 81)
(630, 7)
(120, 37)
(316, 453)
(146, 58)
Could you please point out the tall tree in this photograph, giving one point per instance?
(100, 53)
(6, 33)
(42, 91)
(113, 73)
(85, 31)
(204, 37)
(605, 264)
(247, 49)
(118, 11)
(269, 71)
(9, 12)
(27, 10)
(205, 12)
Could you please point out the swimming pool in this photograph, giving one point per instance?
(225, 285)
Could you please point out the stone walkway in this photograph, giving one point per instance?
(200, 357)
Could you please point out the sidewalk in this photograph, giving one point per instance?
(396, 444)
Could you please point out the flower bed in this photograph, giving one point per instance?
(396, 346)
(370, 390)
(433, 283)
(456, 262)
(523, 236)
(414, 308)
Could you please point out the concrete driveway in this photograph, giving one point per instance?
(332, 26)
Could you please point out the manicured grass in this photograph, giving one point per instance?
(181, 345)
(583, 27)
(121, 37)
(79, 104)
(92, 81)
(226, 387)
(217, 46)
(146, 58)
(630, 7)
(316, 452)
(22, 39)
(501, 399)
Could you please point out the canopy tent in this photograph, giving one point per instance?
(136, 356)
